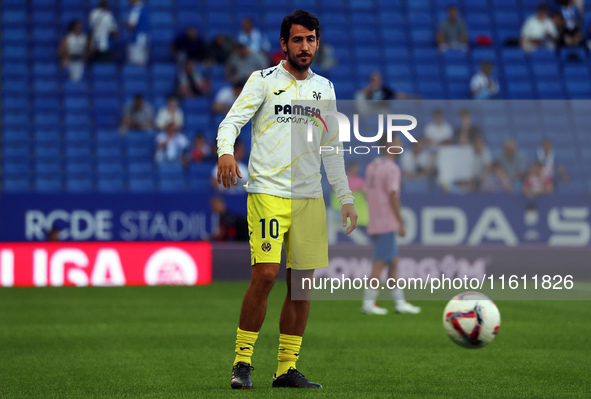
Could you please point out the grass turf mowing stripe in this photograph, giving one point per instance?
(178, 342)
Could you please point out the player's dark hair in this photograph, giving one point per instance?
(299, 17)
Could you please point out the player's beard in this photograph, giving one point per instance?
(297, 63)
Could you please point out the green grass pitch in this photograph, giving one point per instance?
(178, 342)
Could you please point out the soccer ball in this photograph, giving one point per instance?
(471, 320)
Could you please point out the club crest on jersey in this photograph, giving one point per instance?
(266, 247)
(317, 95)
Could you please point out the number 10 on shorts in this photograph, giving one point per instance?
(273, 228)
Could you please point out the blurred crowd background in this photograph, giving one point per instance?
(126, 95)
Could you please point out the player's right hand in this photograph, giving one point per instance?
(228, 171)
(402, 230)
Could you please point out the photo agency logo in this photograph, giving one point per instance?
(344, 129)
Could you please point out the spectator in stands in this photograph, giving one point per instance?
(467, 133)
(571, 15)
(103, 26)
(513, 161)
(243, 62)
(252, 38)
(547, 157)
(200, 151)
(536, 182)
(239, 155)
(230, 226)
(483, 85)
(482, 162)
(73, 50)
(377, 90)
(172, 145)
(219, 49)
(191, 82)
(538, 31)
(452, 33)
(188, 45)
(439, 131)
(225, 98)
(139, 25)
(324, 59)
(137, 115)
(416, 163)
(567, 37)
(356, 182)
(170, 113)
(496, 180)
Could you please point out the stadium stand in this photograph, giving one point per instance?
(58, 135)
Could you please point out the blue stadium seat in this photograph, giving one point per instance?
(15, 136)
(174, 184)
(14, 18)
(169, 169)
(16, 168)
(15, 120)
(14, 69)
(48, 184)
(394, 71)
(48, 151)
(43, 18)
(140, 153)
(200, 184)
(550, 90)
(79, 168)
(422, 37)
(110, 167)
(79, 184)
(578, 89)
(42, 52)
(105, 71)
(77, 120)
(77, 104)
(48, 167)
(48, 104)
(17, 104)
(140, 168)
(457, 72)
(45, 35)
(78, 151)
(110, 184)
(106, 87)
(14, 53)
(47, 136)
(14, 36)
(78, 136)
(141, 184)
(15, 86)
(13, 185)
(412, 186)
(73, 88)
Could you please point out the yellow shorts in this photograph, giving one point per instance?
(300, 223)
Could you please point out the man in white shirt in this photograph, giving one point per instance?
(170, 113)
(103, 25)
(538, 31)
(252, 38)
(226, 97)
(439, 131)
(172, 145)
(483, 86)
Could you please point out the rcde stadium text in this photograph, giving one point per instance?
(135, 225)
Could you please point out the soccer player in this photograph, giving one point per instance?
(382, 179)
(272, 181)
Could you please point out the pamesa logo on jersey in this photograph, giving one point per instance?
(299, 114)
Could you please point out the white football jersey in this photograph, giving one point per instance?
(282, 162)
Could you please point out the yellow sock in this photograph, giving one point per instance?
(244, 345)
(289, 351)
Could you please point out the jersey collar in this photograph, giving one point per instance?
(286, 72)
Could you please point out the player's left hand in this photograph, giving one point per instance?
(348, 211)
